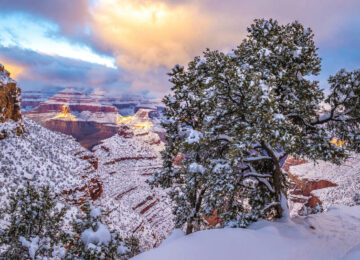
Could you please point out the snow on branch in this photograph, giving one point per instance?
(267, 184)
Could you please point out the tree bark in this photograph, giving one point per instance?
(190, 222)
(277, 177)
(189, 226)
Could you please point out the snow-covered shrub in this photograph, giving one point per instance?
(33, 228)
(92, 239)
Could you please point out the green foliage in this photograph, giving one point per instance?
(35, 230)
(233, 119)
(93, 240)
(33, 218)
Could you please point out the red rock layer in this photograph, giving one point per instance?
(88, 134)
(300, 189)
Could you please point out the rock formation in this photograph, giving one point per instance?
(322, 184)
(89, 118)
(10, 98)
(126, 161)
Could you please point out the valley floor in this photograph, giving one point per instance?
(334, 234)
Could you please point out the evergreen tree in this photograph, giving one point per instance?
(93, 240)
(34, 227)
(234, 118)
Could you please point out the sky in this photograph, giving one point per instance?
(130, 45)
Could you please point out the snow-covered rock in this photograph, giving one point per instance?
(44, 157)
(10, 98)
(126, 161)
(324, 183)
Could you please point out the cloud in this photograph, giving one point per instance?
(27, 31)
(71, 15)
(148, 34)
(35, 71)
(148, 37)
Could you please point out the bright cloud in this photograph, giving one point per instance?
(42, 36)
(147, 34)
(16, 70)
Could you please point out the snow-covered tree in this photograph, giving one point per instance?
(92, 239)
(233, 118)
(34, 225)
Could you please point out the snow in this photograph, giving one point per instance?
(176, 234)
(297, 52)
(9, 127)
(353, 253)
(122, 249)
(346, 176)
(330, 235)
(95, 212)
(279, 117)
(130, 205)
(33, 246)
(194, 136)
(195, 168)
(41, 156)
(101, 236)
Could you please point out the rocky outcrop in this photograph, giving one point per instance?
(10, 98)
(304, 188)
(126, 161)
(316, 186)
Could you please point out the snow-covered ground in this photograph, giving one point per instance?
(331, 235)
(41, 157)
(126, 161)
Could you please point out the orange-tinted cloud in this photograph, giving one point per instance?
(16, 71)
(147, 34)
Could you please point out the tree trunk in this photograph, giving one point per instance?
(277, 174)
(277, 178)
(190, 222)
(189, 226)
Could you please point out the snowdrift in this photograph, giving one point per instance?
(334, 234)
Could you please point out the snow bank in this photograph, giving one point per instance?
(175, 235)
(331, 235)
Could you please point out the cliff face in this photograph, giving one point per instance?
(88, 134)
(10, 98)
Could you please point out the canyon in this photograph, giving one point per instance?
(89, 147)
(88, 117)
(112, 176)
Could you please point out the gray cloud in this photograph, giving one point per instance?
(40, 70)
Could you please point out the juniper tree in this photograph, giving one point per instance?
(34, 225)
(92, 239)
(235, 117)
